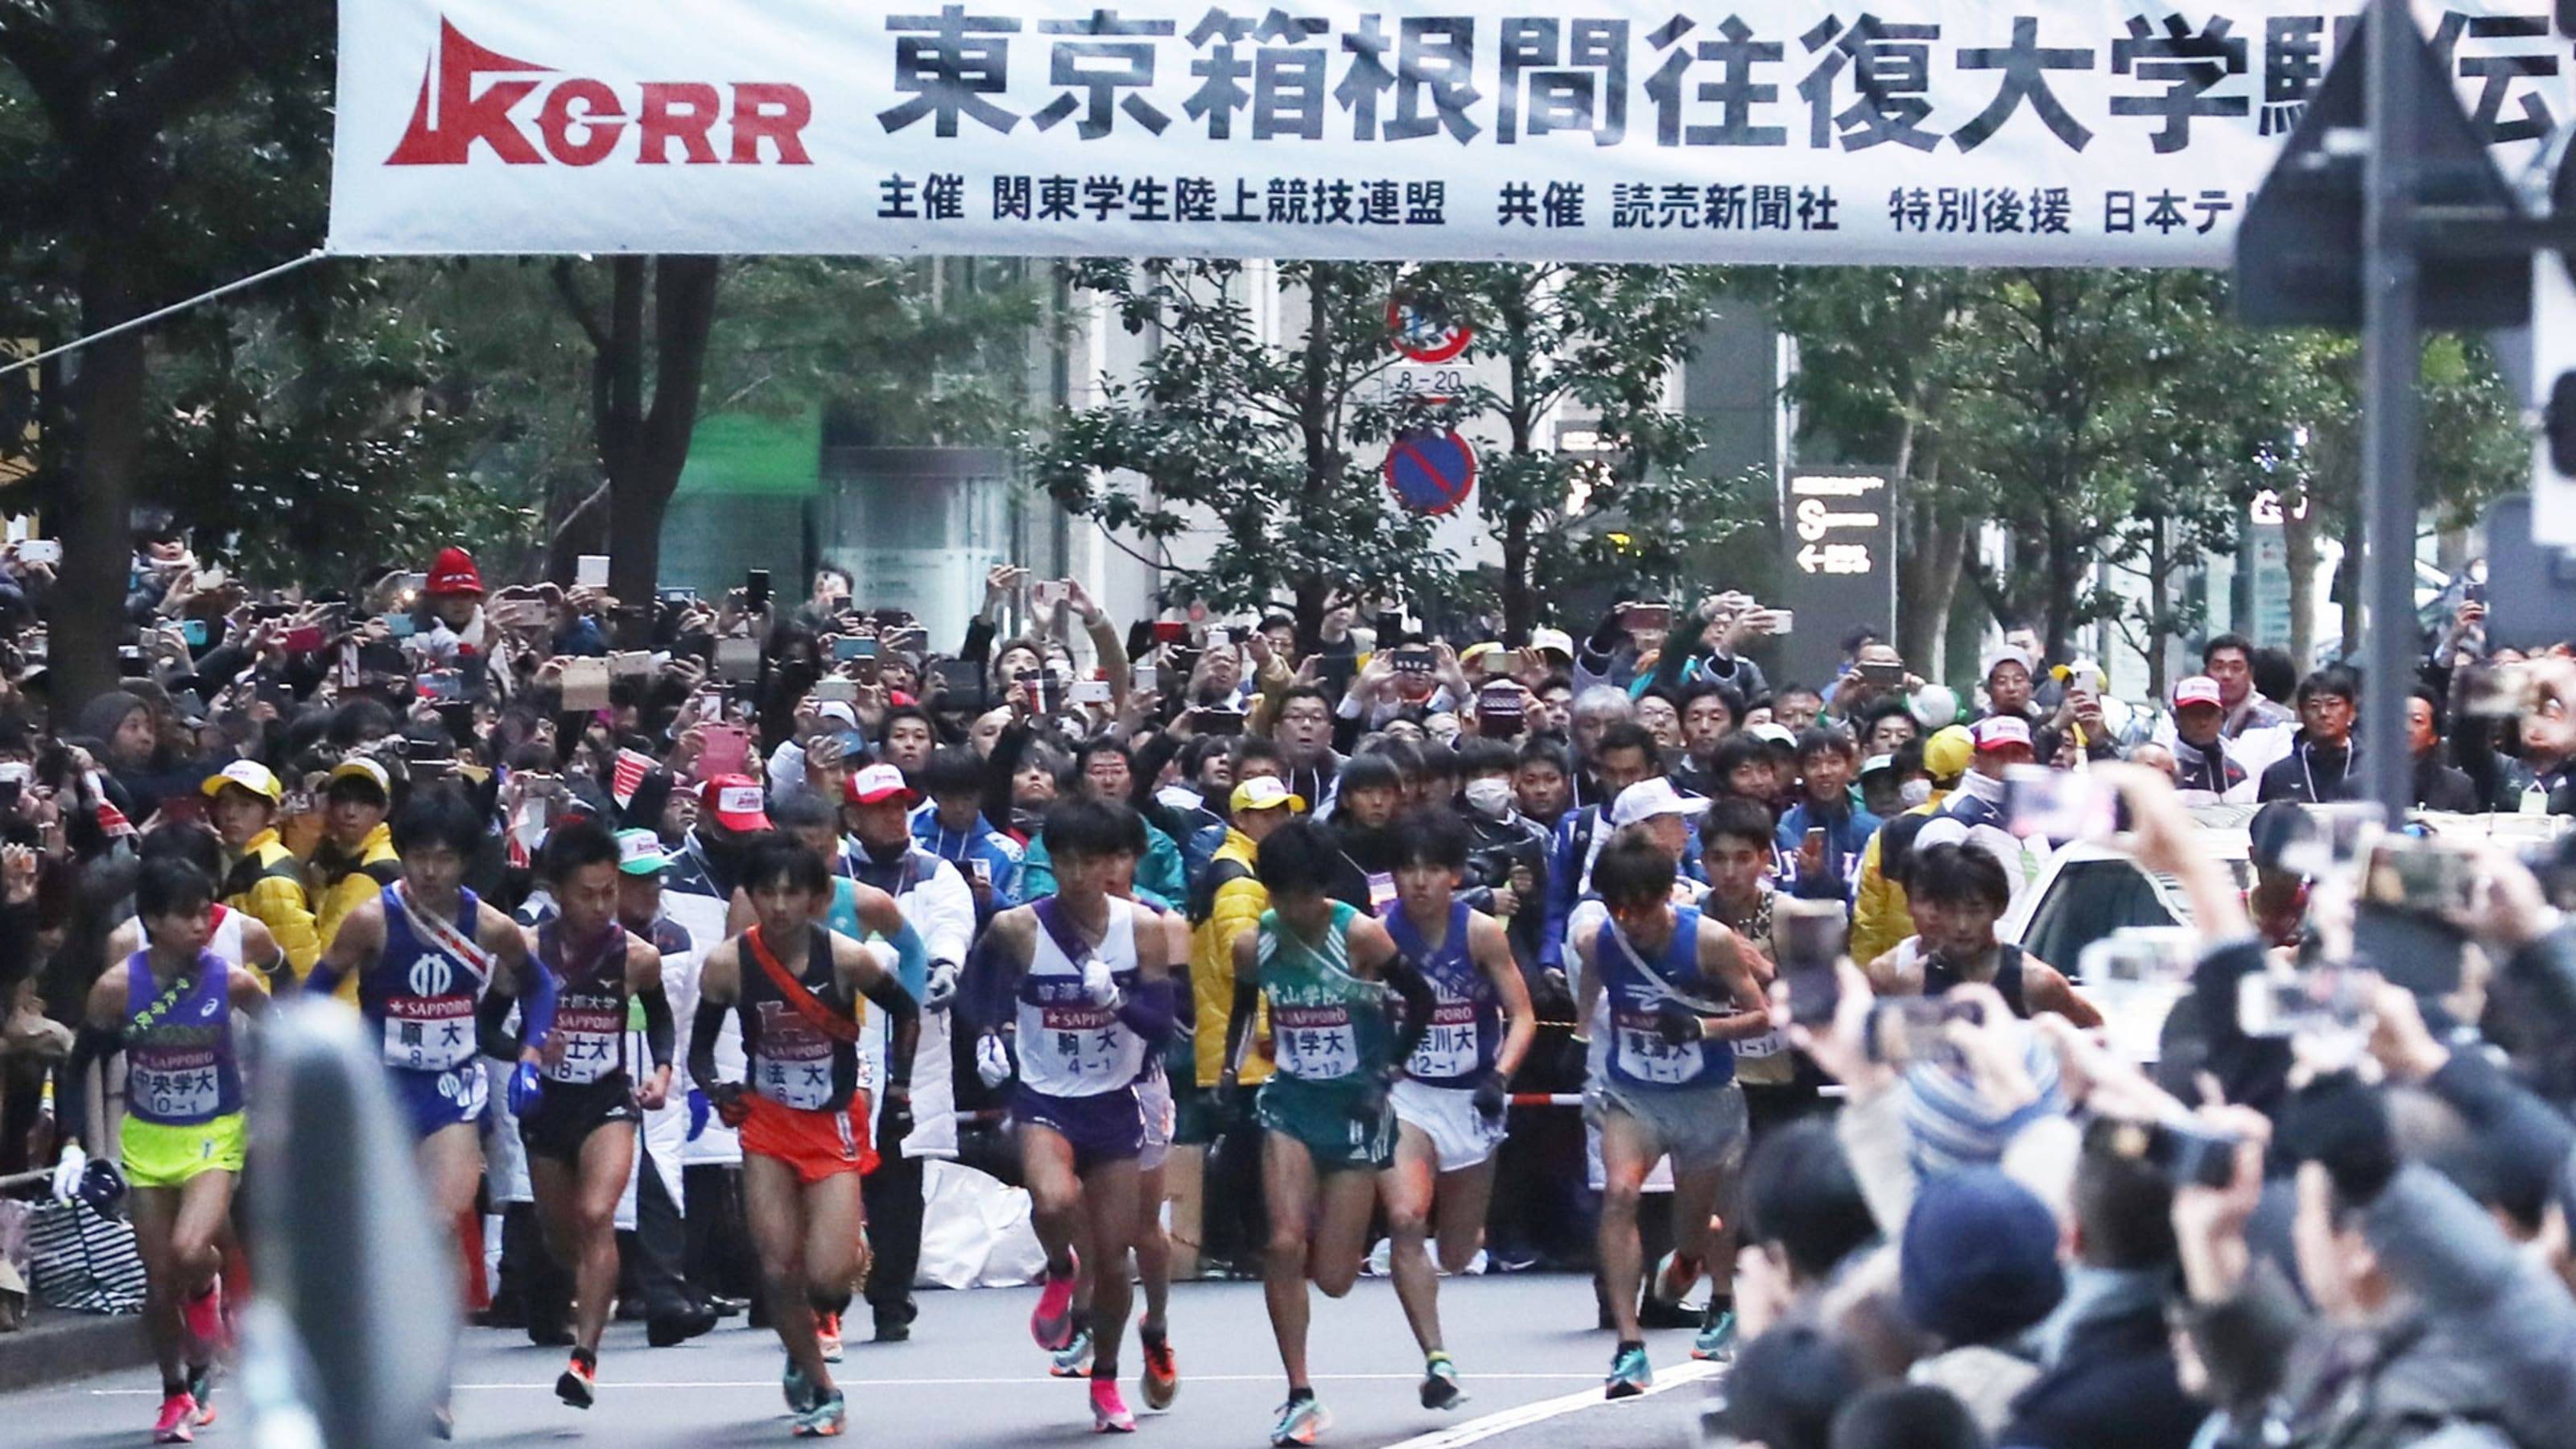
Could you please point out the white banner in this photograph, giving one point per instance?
(2044, 132)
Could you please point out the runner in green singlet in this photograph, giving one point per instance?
(1328, 1129)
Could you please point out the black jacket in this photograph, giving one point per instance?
(2439, 787)
(2112, 1387)
(2313, 775)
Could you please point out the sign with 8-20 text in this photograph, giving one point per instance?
(2036, 132)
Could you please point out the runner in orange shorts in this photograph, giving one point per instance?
(805, 1144)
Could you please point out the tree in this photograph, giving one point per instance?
(1258, 440)
(152, 155)
(1606, 339)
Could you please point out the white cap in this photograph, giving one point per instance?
(1649, 798)
(839, 710)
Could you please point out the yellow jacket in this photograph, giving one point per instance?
(268, 882)
(343, 883)
(1232, 909)
(1880, 915)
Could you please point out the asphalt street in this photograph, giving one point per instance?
(1525, 1346)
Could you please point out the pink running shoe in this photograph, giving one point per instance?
(178, 1421)
(205, 1315)
(1052, 1322)
(1108, 1411)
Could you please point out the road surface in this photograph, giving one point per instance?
(1525, 1346)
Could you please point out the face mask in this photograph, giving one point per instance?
(1490, 797)
(1915, 792)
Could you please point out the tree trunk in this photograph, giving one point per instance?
(2159, 617)
(2299, 555)
(684, 310)
(88, 603)
(1520, 596)
(2348, 588)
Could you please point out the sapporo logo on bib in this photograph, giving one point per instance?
(794, 1065)
(1315, 1042)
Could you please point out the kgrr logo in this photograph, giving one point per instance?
(582, 121)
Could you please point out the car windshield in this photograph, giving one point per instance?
(2087, 901)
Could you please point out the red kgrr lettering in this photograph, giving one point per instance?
(682, 111)
(765, 111)
(600, 120)
(462, 117)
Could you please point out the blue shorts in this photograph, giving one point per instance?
(433, 1101)
(1108, 1127)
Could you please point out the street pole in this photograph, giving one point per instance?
(2391, 366)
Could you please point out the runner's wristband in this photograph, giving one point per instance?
(537, 1006)
(661, 1034)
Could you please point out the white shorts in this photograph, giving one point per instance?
(1460, 1136)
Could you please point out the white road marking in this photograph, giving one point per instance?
(1016, 1380)
(1476, 1431)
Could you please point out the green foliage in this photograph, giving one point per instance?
(1258, 445)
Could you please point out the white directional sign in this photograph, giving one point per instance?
(1840, 566)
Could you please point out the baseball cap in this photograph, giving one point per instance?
(877, 784)
(250, 775)
(1876, 763)
(1553, 639)
(2001, 731)
(1649, 798)
(1264, 792)
(736, 803)
(2004, 655)
(1773, 734)
(1947, 753)
(639, 852)
(2198, 689)
(834, 709)
(1474, 652)
(364, 769)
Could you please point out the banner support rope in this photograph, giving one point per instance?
(148, 318)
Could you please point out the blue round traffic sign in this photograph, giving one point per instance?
(1430, 472)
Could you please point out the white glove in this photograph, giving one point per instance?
(67, 1176)
(992, 1059)
(1099, 987)
(941, 989)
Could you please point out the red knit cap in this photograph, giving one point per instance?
(454, 573)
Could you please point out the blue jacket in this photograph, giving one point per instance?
(1000, 853)
(1847, 833)
(1569, 874)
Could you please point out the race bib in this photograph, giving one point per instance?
(1315, 1042)
(591, 1034)
(1449, 1049)
(1081, 1042)
(182, 1087)
(1645, 1056)
(1768, 1044)
(794, 1064)
(1381, 886)
(429, 1033)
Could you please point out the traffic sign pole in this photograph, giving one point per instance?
(2391, 367)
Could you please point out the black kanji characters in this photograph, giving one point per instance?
(948, 70)
(2186, 64)
(2025, 65)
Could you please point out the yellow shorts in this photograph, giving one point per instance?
(162, 1156)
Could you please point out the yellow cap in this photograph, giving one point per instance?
(249, 775)
(1948, 752)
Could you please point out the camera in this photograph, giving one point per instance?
(1810, 934)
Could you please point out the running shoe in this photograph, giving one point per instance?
(1073, 1361)
(178, 1421)
(205, 1315)
(1051, 1322)
(1673, 1280)
(201, 1387)
(1299, 1422)
(1162, 1382)
(1716, 1336)
(826, 1419)
(1108, 1411)
(827, 1336)
(798, 1388)
(1629, 1375)
(1440, 1383)
(579, 1383)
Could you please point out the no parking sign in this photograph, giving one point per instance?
(1430, 473)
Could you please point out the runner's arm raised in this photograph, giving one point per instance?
(1247, 1003)
(1152, 1007)
(354, 948)
(1373, 948)
(1722, 963)
(101, 1035)
(716, 988)
(859, 968)
(1492, 951)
